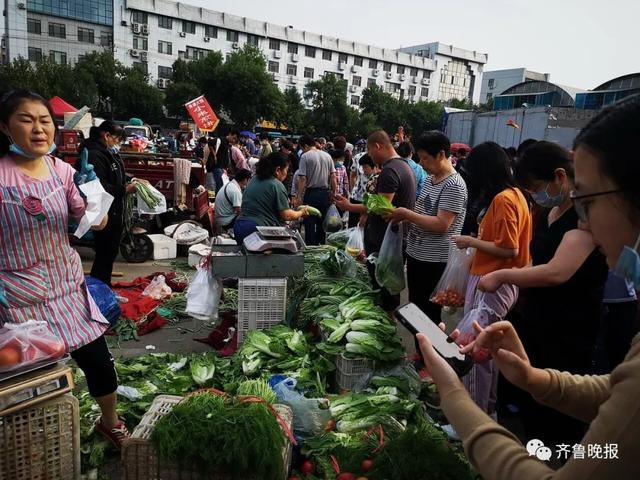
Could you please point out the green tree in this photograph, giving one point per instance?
(177, 94)
(134, 97)
(107, 73)
(389, 111)
(422, 117)
(293, 114)
(330, 112)
(20, 74)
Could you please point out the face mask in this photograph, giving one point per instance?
(543, 199)
(628, 265)
(339, 164)
(14, 148)
(115, 149)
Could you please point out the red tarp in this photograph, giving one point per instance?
(60, 107)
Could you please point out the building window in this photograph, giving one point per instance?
(274, 67)
(391, 87)
(139, 17)
(106, 39)
(98, 12)
(456, 81)
(34, 26)
(492, 82)
(342, 58)
(373, 63)
(424, 92)
(141, 66)
(308, 72)
(58, 57)
(489, 96)
(164, 72)
(57, 30)
(165, 47)
(357, 81)
(292, 70)
(327, 55)
(310, 52)
(413, 72)
(355, 100)
(195, 53)
(35, 54)
(210, 31)
(386, 67)
(400, 69)
(85, 35)
(140, 43)
(412, 90)
(371, 83)
(252, 39)
(165, 22)
(188, 27)
(292, 48)
(232, 36)
(274, 44)
(358, 61)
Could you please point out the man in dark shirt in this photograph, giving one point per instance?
(397, 182)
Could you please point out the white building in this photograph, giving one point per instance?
(152, 34)
(495, 82)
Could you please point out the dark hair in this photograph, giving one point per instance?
(433, 142)
(336, 153)
(405, 149)
(266, 168)
(366, 160)
(9, 104)
(234, 133)
(339, 142)
(212, 142)
(264, 136)
(108, 126)
(284, 143)
(307, 141)
(524, 145)
(511, 151)
(489, 172)
(243, 174)
(612, 136)
(202, 140)
(540, 161)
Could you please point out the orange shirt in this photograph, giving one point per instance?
(507, 224)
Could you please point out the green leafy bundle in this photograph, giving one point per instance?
(378, 204)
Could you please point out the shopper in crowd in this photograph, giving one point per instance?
(288, 150)
(265, 146)
(340, 143)
(237, 160)
(40, 274)
(213, 177)
(249, 145)
(607, 202)
(342, 178)
(229, 200)
(265, 202)
(198, 151)
(438, 216)
(103, 145)
(316, 184)
(321, 143)
(366, 168)
(396, 182)
(562, 292)
(405, 150)
(503, 242)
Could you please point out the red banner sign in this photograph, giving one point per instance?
(202, 114)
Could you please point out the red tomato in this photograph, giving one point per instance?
(366, 465)
(307, 468)
(9, 356)
(346, 476)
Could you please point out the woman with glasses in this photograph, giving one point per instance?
(561, 293)
(607, 201)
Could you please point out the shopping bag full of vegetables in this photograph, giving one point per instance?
(452, 286)
(390, 260)
(23, 344)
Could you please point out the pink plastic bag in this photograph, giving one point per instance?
(23, 344)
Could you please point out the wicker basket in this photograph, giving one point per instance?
(41, 442)
(349, 371)
(139, 459)
(262, 304)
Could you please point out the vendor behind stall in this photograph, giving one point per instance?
(265, 201)
(40, 274)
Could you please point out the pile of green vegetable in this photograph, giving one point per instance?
(216, 434)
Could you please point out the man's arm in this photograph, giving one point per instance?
(302, 186)
(334, 183)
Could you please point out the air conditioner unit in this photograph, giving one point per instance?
(236, 45)
(160, 83)
(134, 53)
(207, 39)
(354, 68)
(294, 57)
(353, 88)
(183, 34)
(293, 79)
(415, 79)
(143, 56)
(144, 29)
(375, 72)
(341, 66)
(402, 76)
(389, 75)
(135, 27)
(277, 54)
(426, 81)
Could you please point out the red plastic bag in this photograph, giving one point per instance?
(450, 290)
(23, 344)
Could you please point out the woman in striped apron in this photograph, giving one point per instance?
(41, 276)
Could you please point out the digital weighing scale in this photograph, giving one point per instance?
(273, 238)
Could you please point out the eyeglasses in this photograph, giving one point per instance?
(579, 205)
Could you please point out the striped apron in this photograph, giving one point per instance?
(42, 275)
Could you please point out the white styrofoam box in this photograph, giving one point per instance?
(163, 247)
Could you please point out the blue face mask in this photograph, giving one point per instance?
(543, 199)
(115, 149)
(628, 265)
(339, 164)
(14, 148)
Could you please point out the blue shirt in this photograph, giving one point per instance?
(419, 172)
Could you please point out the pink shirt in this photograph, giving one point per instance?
(12, 176)
(238, 158)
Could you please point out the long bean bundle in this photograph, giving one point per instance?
(147, 195)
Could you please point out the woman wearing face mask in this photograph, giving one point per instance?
(103, 145)
(40, 274)
(561, 293)
(607, 201)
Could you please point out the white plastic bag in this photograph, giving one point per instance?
(98, 204)
(452, 286)
(203, 296)
(146, 209)
(157, 289)
(332, 220)
(355, 244)
(310, 415)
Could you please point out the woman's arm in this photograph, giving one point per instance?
(439, 223)
(490, 248)
(289, 215)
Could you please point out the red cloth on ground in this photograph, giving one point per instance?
(220, 333)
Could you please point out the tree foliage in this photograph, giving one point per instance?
(330, 112)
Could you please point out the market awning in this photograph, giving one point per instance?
(60, 107)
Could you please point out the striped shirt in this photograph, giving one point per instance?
(450, 195)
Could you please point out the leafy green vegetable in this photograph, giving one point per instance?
(378, 204)
(202, 370)
(257, 388)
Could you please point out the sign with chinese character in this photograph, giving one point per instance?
(202, 114)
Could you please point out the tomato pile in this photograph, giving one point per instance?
(15, 353)
(448, 298)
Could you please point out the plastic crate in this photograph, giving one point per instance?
(349, 371)
(139, 460)
(41, 442)
(262, 304)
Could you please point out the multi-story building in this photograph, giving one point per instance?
(494, 82)
(152, 34)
